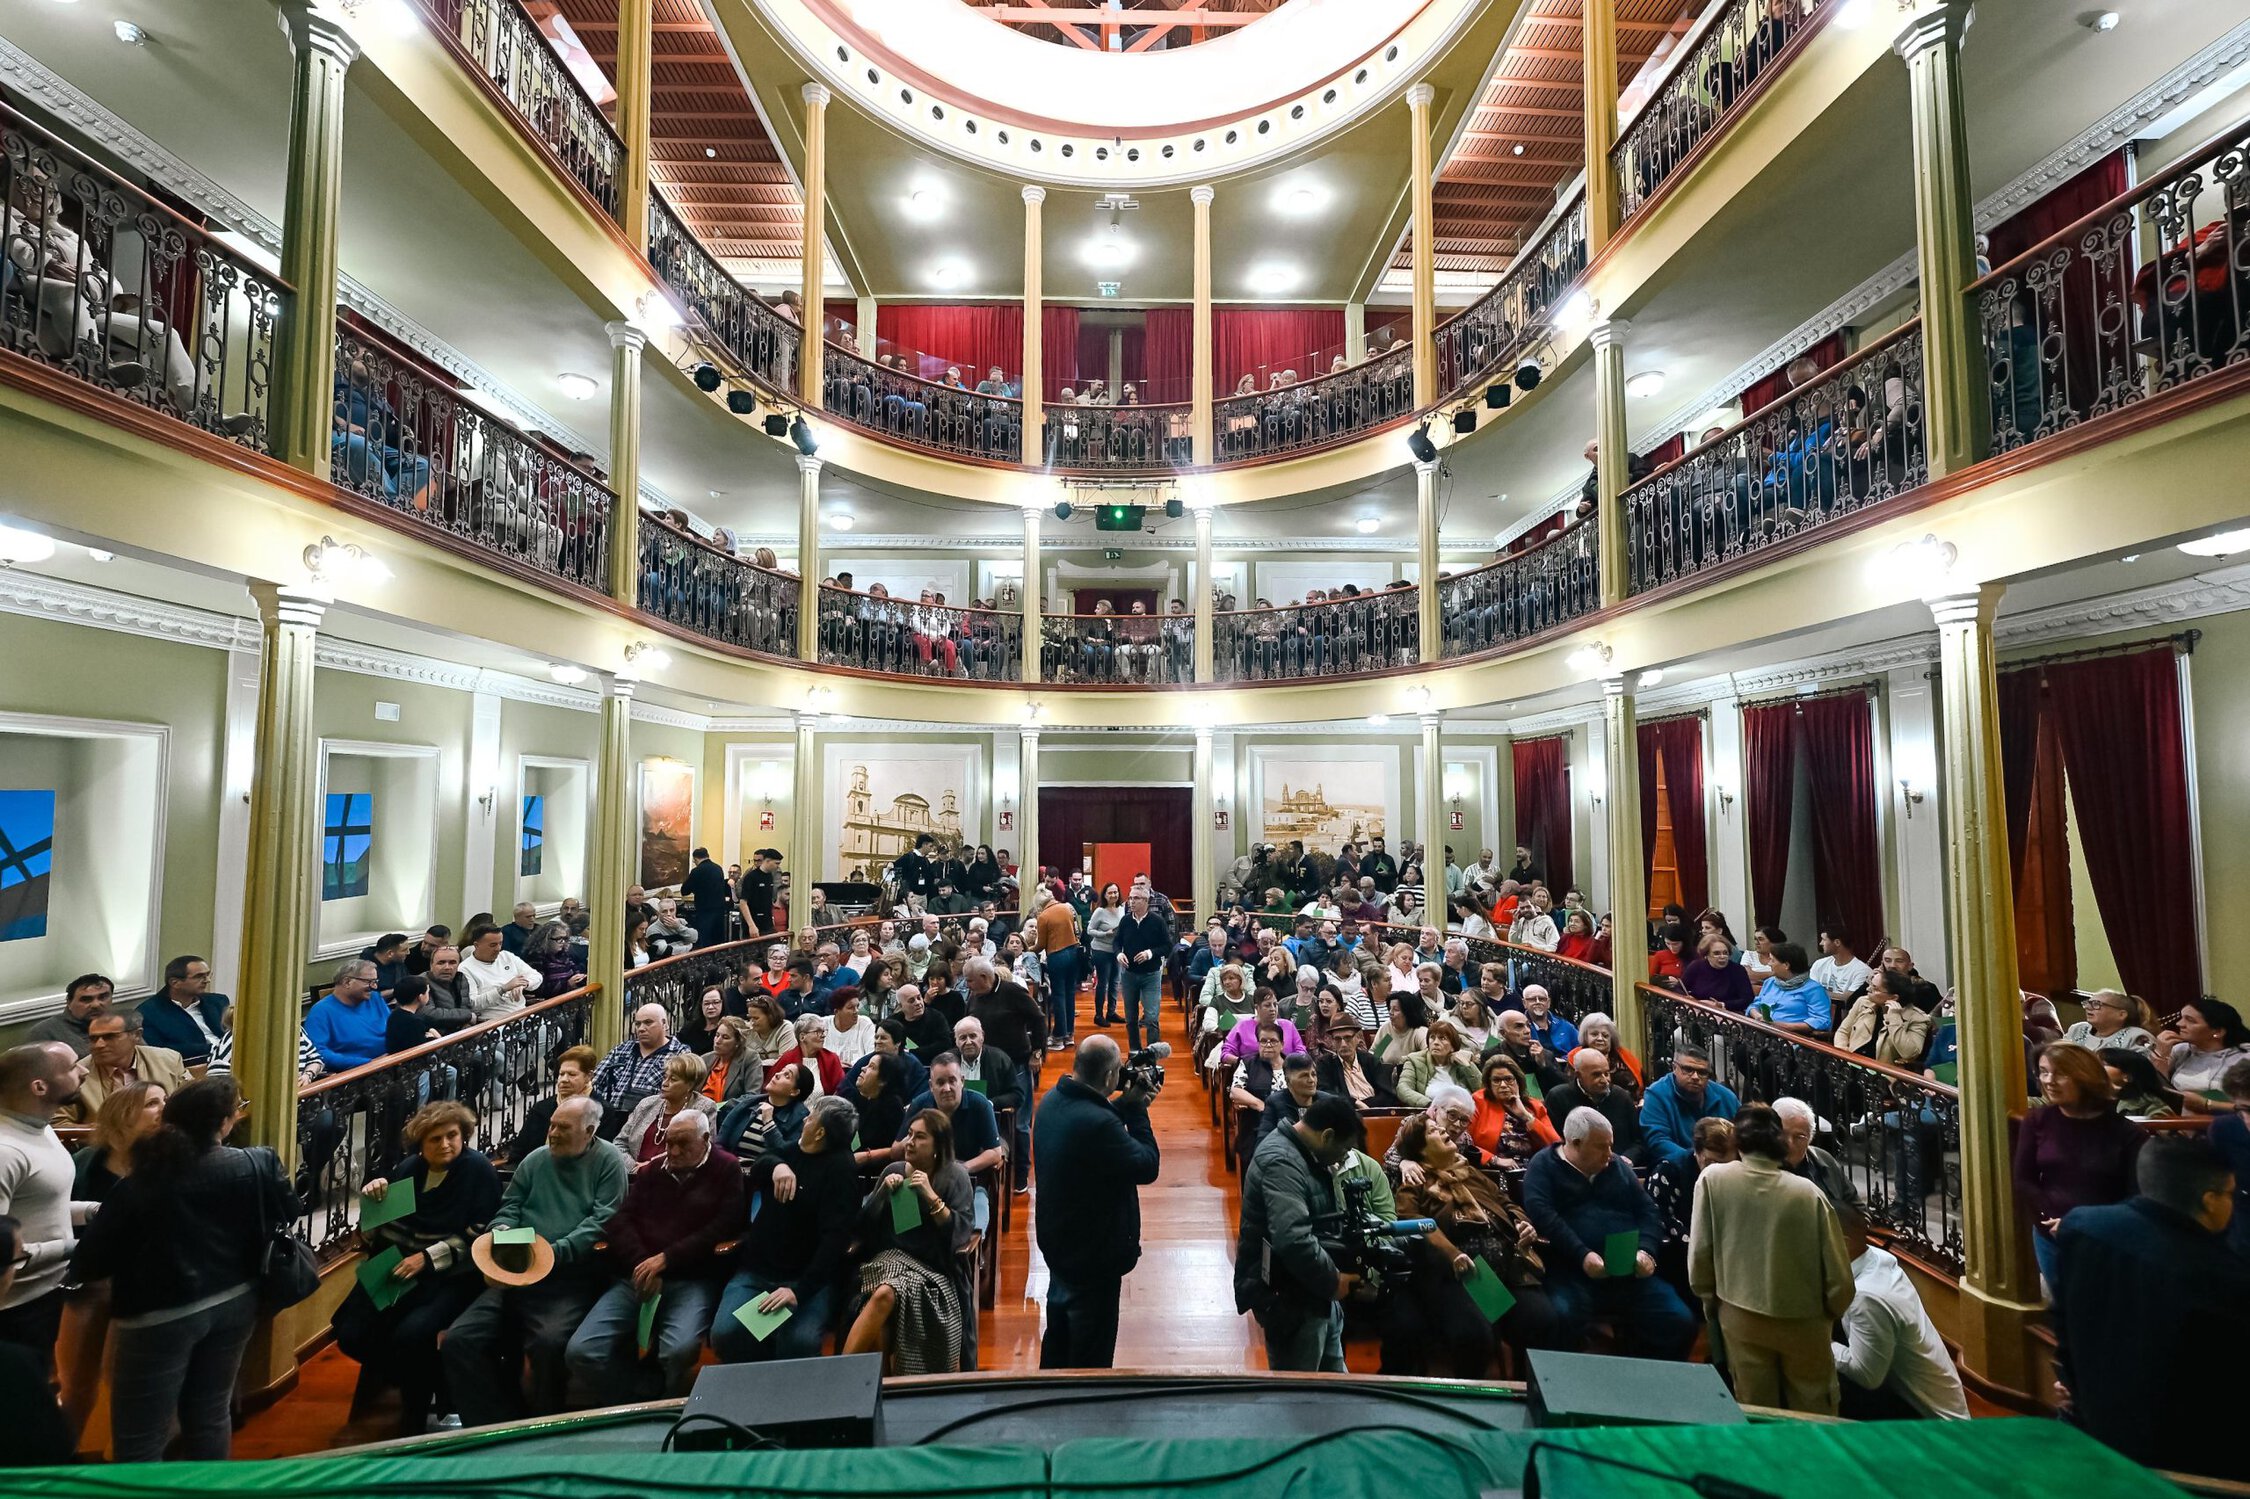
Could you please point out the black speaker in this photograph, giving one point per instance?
(1418, 443)
(1174, 509)
(777, 424)
(1062, 509)
(741, 402)
(1590, 1389)
(802, 1402)
(1498, 395)
(707, 377)
(1464, 421)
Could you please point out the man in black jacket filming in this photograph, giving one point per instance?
(1282, 1274)
(1094, 1154)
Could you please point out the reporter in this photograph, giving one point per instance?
(1094, 1155)
(1282, 1274)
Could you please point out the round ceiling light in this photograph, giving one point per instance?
(1645, 384)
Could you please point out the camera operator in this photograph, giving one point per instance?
(1094, 1153)
(1282, 1274)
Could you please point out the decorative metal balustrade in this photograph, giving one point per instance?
(754, 336)
(1518, 597)
(404, 438)
(1345, 634)
(348, 1124)
(100, 281)
(1301, 416)
(923, 638)
(1119, 439)
(1850, 438)
(2145, 294)
(1117, 650)
(678, 983)
(1477, 342)
(1738, 45)
(700, 586)
(894, 405)
(506, 46)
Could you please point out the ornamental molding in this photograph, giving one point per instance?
(670, 718)
(857, 542)
(2226, 591)
(75, 603)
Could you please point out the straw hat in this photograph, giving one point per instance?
(515, 1265)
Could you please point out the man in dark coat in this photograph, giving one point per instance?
(710, 902)
(1094, 1155)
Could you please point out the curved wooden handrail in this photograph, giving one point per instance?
(906, 603)
(853, 356)
(328, 1082)
(657, 522)
(1311, 384)
(1523, 258)
(1552, 538)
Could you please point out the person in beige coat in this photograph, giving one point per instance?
(1766, 1255)
(1885, 1023)
(116, 1057)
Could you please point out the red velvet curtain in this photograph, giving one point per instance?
(1680, 741)
(1071, 817)
(1542, 776)
(2020, 703)
(1760, 394)
(1837, 735)
(1058, 350)
(1090, 361)
(841, 309)
(1670, 450)
(1769, 794)
(2058, 208)
(2119, 725)
(1170, 359)
(1263, 341)
(973, 335)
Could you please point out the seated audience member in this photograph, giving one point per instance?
(419, 956)
(642, 1139)
(1543, 1070)
(1556, 1036)
(770, 1031)
(731, 1068)
(404, 1028)
(702, 1022)
(929, 1031)
(1509, 1126)
(119, 1058)
(388, 954)
(36, 1435)
(1767, 1258)
(805, 1200)
(851, 1032)
(1838, 969)
(565, 1192)
(2195, 1052)
(522, 922)
(1670, 960)
(1597, 1032)
(1442, 1058)
(1671, 1186)
(2230, 1137)
(1431, 1324)
(448, 1006)
(750, 1128)
(350, 1024)
(2138, 1089)
(984, 1070)
(1405, 1029)
(2076, 1151)
(84, 997)
(498, 979)
(1345, 1068)
(1252, 1084)
(456, 1192)
(1715, 977)
(129, 1115)
(634, 1068)
(976, 1128)
(186, 1017)
(1885, 1022)
(1578, 1195)
(574, 1078)
(1891, 1365)
(1677, 1100)
(1593, 1085)
(1242, 1041)
(914, 1300)
(669, 934)
(1798, 1126)
(811, 1052)
(663, 1245)
(1790, 1000)
(2147, 1285)
(1300, 1085)
(877, 1092)
(2113, 1020)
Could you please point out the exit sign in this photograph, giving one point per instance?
(1110, 288)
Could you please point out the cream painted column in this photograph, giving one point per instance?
(1612, 461)
(1028, 667)
(304, 375)
(2000, 1286)
(1355, 332)
(1628, 877)
(1201, 387)
(815, 246)
(1206, 602)
(1598, 47)
(1205, 891)
(864, 334)
(1027, 822)
(1957, 392)
(615, 854)
(1431, 804)
(1430, 624)
(1418, 100)
(280, 877)
(625, 345)
(1034, 365)
(804, 819)
(808, 557)
(636, 87)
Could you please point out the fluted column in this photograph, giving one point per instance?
(1201, 852)
(1612, 459)
(1598, 48)
(1432, 809)
(808, 557)
(280, 876)
(815, 247)
(1028, 672)
(2000, 1284)
(1027, 823)
(1957, 393)
(636, 88)
(804, 819)
(1418, 100)
(1034, 360)
(625, 345)
(1628, 877)
(1202, 390)
(304, 375)
(616, 859)
(1429, 622)
(1206, 603)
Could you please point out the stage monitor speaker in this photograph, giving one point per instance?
(1587, 1389)
(804, 1402)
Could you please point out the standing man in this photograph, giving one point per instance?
(185, 1017)
(36, 1180)
(1380, 866)
(1016, 1029)
(1144, 941)
(710, 902)
(86, 997)
(1282, 1275)
(1095, 1153)
(1055, 932)
(758, 893)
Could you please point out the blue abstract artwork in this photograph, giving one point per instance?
(347, 837)
(27, 856)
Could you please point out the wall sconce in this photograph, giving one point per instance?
(337, 564)
(643, 656)
(1590, 660)
(1726, 798)
(1909, 795)
(1595, 787)
(486, 799)
(1219, 819)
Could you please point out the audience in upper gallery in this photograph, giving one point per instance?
(349, 1025)
(1790, 1000)
(2075, 1151)
(2196, 1050)
(84, 997)
(498, 979)
(185, 1018)
(2113, 1021)
(120, 1057)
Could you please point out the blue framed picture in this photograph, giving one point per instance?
(534, 852)
(27, 857)
(347, 838)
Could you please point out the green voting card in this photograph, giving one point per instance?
(514, 1235)
(1487, 1290)
(396, 1202)
(906, 1210)
(1621, 1253)
(645, 1331)
(762, 1324)
(375, 1279)
(973, 1084)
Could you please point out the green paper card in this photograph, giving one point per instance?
(856, 1146)
(375, 1279)
(906, 1210)
(910, 1046)
(1621, 1253)
(397, 1201)
(514, 1235)
(761, 1324)
(645, 1329)
(974, 1084)
(1487, 1290)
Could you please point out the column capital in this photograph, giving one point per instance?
(1967, 606)
(805, 720)
(1428, 471)
(1030, 733)
(615, 684)
(625, 335)
(816, 95)
(1431, 720)
(1616, 688)
(1201, 194)
(1609, 332)
(1034, 194)
(1201, 516)
(1944, 22)
(1203, 733)
(312, 25)
(291, 604)
(808, 464)
(1421, 96)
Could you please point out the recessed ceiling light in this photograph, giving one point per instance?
(566, 674)
(2130, 557)
(19, 545)
(714, 493)
(1303, 200)
(946, 275)
(1653, 677)
(2221, 544)
(839, 521)
(128, 33)
(1368, 525)
(1646, 383)
(1272, 278)
(1516, 149)
(710, 153)
(2105, 21)
(577, 387)
(99, 555)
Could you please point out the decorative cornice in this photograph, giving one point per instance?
(2223, 592)
(858, 542)
(671, 718)
(53, 598)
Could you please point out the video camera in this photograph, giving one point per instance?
(1144, 1069)
(1364, 1243)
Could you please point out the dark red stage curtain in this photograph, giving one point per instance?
(2118, 721)
(1680, 740)
(1263, 341)
(1769, 793)
(1671, 450)
(1058, 350)
(2058, 208)
(973, 335)
(1071, 817)
(842, 310)
(1542, 776)
(1091, 360)
(1132, 363)
(1837, 735)
(2021, 699)
(1169, 362)
(1760, 394)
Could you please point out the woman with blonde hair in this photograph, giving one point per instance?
(127, 1116)
(732, 1068)
(643, 1135)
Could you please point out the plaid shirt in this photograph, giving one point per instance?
(625, 1077)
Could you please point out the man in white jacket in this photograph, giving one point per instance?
(498, 980)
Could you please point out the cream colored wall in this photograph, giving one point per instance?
(548, 733)
(781, 749)
(2219, 683)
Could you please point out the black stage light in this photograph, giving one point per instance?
(1528, 375)
(1418, 443)
(1062, 510)
(802, 434)
(741, 402)
(1497, 395)
(1464, 420)
(1174, 509)
(706, 377)
(777, 424)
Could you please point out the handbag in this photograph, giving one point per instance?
(287, 1271)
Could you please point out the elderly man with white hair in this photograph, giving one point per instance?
(1603, 1233)
(634, 1068)
(1798, 1126)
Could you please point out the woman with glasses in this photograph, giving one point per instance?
(2112, 1020)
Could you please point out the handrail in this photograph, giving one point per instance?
(759, 340)
(331, 1081)
(1102, 437)
(722, 597)
(950, 420)
(1689, 41)
(1347, 635)
(1308, 415)
(1545, 586)
(1511, 317)
(911, 378)
(908, 638)
(902, 602)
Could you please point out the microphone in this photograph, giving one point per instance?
(1410, 1228)
(1155, 1051)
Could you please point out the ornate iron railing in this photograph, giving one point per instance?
(2080, 325)
(1344, 635)
(754, 337)
(506, 46)
(1849, 438)
(875, 632)
(678, 983)
(1578, 989)
(102, 282)
(404, 438)
(917, 413)
(1476, 342)
(702, 587)
(348, 1124)
(1518, 597)
(1738, 45)
(1298, 417)
(1117, 650)
(1119, 439)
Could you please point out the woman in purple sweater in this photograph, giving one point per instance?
(1715, 977)
(2076, 1152)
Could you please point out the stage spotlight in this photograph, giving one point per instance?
(1497, 395)
(1528, 375)
(1062, 510)
(1464, 421)
(741, 402)
(707, 378)
(802, 434)
(1174, 509)
(777, 424)
(1418, 443)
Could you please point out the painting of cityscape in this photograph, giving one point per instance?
(884, 804)
(27, 852)
(1325, 803)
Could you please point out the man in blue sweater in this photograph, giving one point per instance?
(349, 1026)
(1675, 1101)
(1580, 1194)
